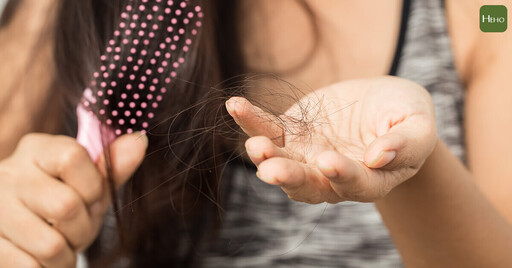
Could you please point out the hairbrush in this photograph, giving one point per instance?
(136, 69)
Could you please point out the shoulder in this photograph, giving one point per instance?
(476, 52)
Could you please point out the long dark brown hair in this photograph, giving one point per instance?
(167, 209)
(166, 212)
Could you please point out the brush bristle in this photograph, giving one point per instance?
(140, 62)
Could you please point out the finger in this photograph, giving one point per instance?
(126, 155)
(254, 121)
(301, 182)
(261, 148)
(12, 256)
(62, 207)
(35, 237)
(349, 179)
(406, 144)
(69, 161)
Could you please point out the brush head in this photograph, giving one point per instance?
(140, 62)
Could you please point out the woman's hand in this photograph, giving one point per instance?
(354, 140)
(53, 198)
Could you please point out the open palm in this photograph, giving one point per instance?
(354, 140)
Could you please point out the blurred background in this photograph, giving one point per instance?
(2, 5)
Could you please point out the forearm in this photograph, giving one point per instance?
(439, 218)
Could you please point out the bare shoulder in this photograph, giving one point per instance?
(484, 60)
(475, 51)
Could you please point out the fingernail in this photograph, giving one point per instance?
(230, 106)
(255, 154)
(142, 137)
(384, 158)
(258, 174)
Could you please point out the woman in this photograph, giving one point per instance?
(366, 138)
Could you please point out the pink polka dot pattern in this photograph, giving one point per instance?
(141, 61)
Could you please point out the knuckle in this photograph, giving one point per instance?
(66, 205)
(73, 154)
(29, 139)
(33, 140)
(52, 247)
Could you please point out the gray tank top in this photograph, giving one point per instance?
(263, 228)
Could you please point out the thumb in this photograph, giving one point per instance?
(406, 144)
(126, 154)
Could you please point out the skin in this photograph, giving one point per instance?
(391, 124)
(419, 212)
(21, 99)
(422, 189)
(56, 197)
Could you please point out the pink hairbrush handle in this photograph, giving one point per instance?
(90, 133)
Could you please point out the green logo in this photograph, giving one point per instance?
(493, 19)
